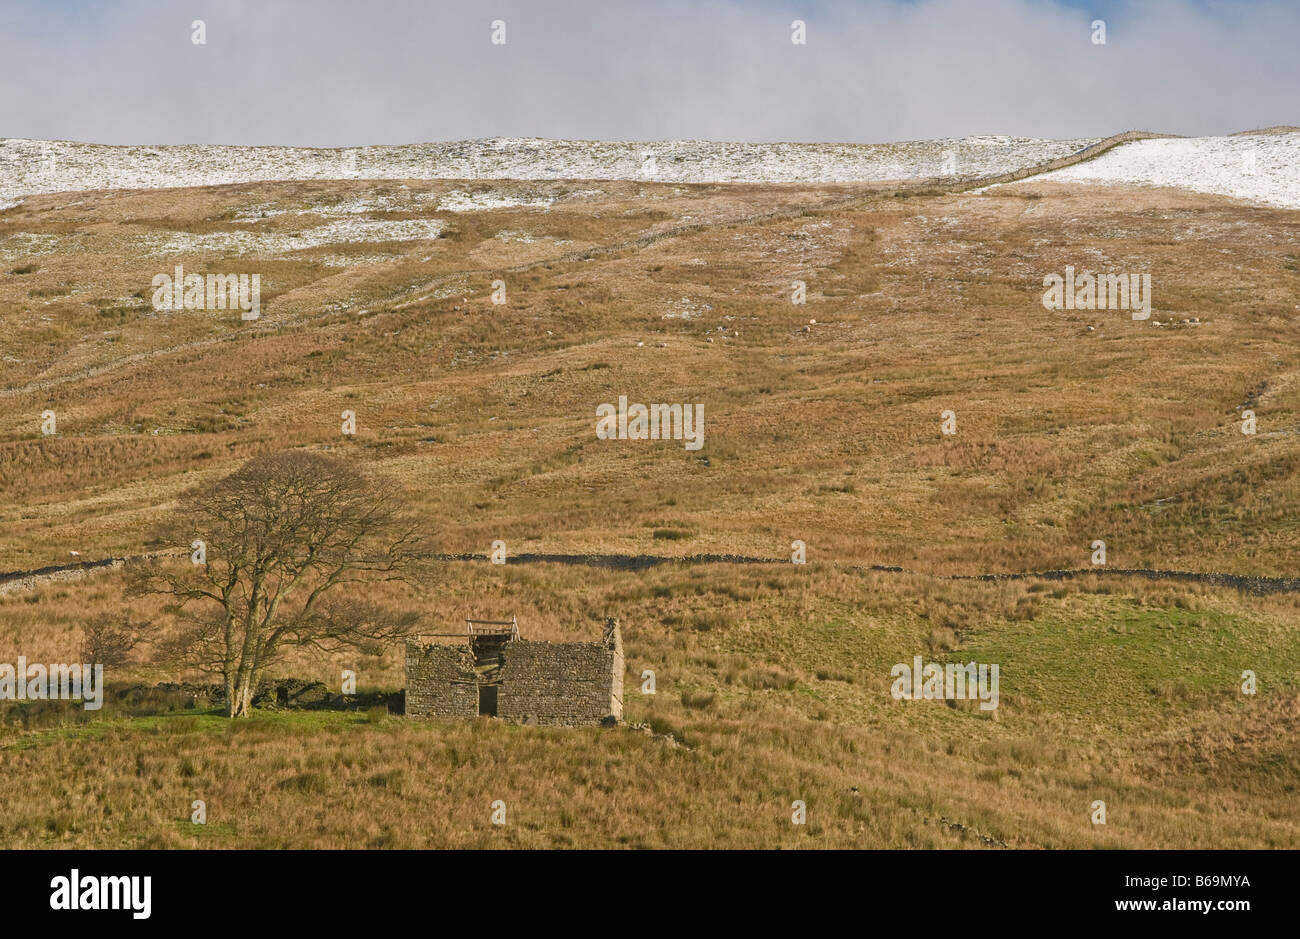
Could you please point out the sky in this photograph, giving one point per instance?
(332, 73)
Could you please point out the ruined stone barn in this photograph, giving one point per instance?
(489, 670)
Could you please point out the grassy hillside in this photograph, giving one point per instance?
(822, 423)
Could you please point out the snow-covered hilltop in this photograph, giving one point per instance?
(28, 167)
(1261, 167)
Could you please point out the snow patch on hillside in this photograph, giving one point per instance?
(1258, 168)
(483, 201)
(276, 243)
(25, 244)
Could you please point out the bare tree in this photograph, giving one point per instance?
(108, 641)
(274, 548)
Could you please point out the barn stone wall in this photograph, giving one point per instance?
(614, 641)
(440, 681)
(557, 683)
(540, 682)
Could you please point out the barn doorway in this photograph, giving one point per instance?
(487, 700)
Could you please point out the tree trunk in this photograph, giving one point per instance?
(239, 700)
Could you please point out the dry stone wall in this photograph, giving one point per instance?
(440, 681)
(557, 683)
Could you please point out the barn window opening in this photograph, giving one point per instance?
(487, 700)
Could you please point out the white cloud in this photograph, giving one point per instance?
(337, 72)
